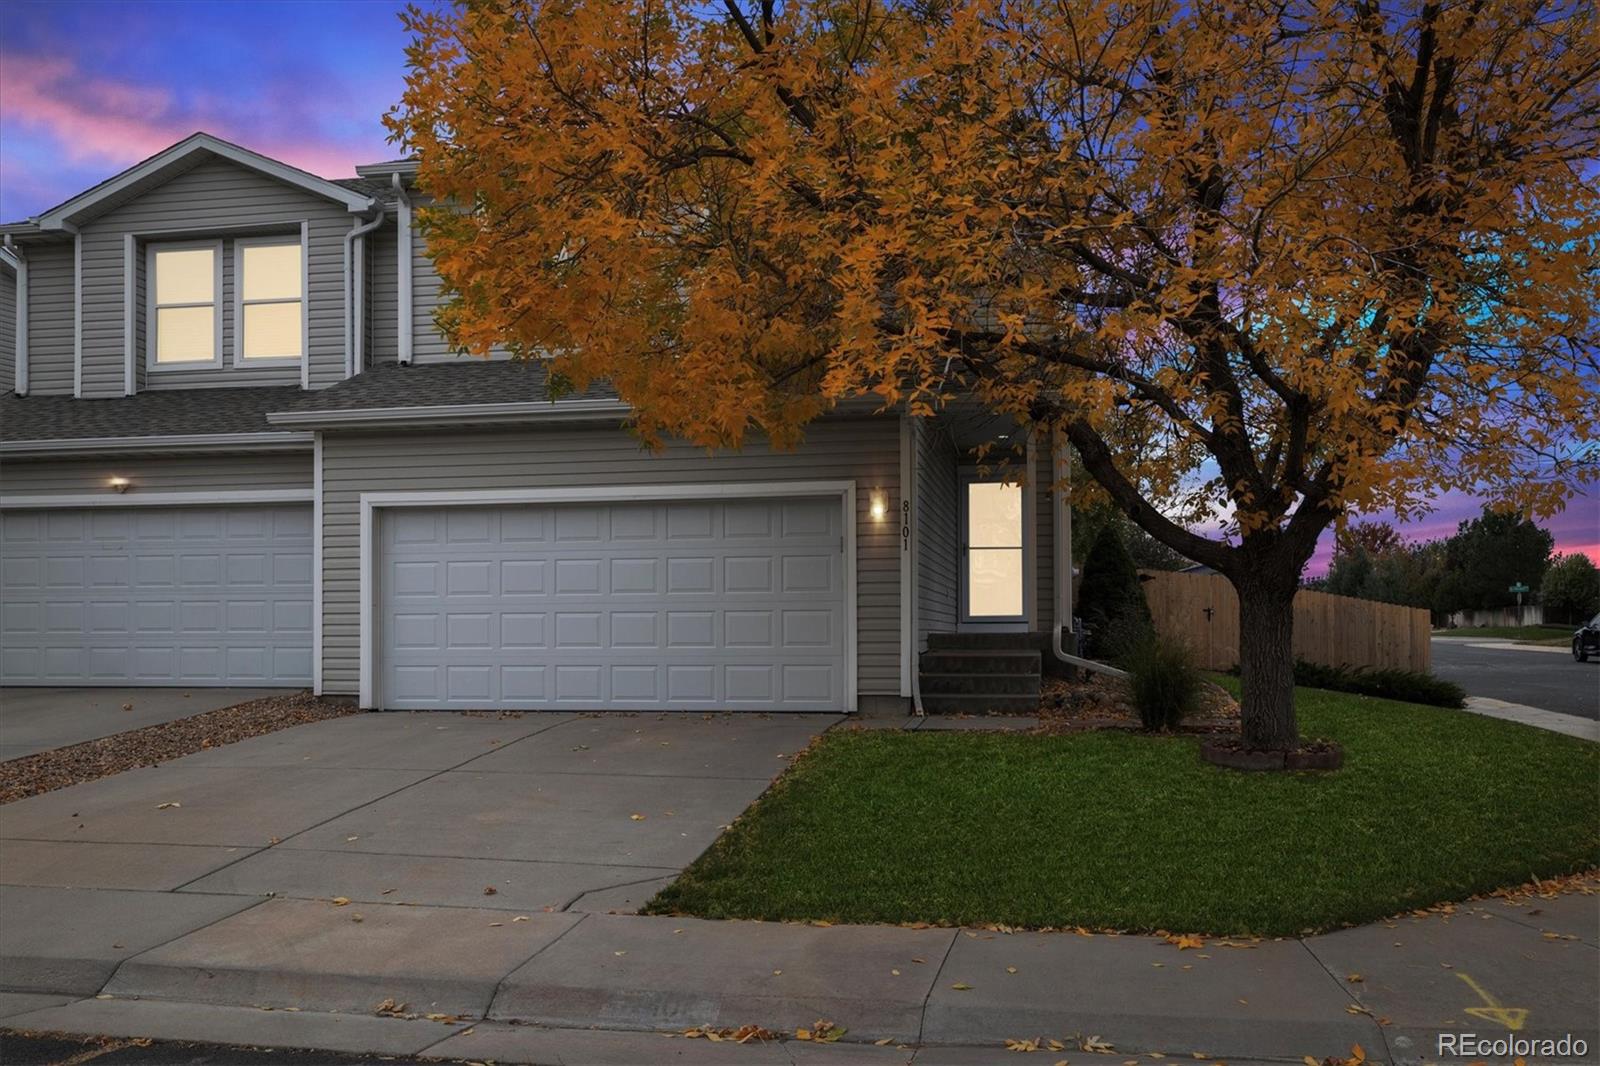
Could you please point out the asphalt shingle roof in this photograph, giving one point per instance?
(465, 380)
(159, 413)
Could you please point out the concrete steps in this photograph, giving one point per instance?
(980, 673)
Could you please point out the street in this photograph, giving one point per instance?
(1548, 679)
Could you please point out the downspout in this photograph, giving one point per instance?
(353, 295)
(1061, 523)
(20, 385)
(403, 253)
(908, 496)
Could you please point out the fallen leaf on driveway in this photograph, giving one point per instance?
(340, 901)
(960, 987)
(522, 918)
(1011, 969)
(167, 806)
(490, 890)
(1022, 1045)
(127, 706)
(636, 817)
(1186, 941)
(1354, 978)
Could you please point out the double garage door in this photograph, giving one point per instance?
(156, 596)
(670, 605)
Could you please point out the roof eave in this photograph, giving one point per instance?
(539, 411)
(273, 440)
(66, 215)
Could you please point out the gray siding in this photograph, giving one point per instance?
(8, 329)
(383, 296)
(199, 473)
(938, 540)
(198, 203)
(863, 450)
(50, 306)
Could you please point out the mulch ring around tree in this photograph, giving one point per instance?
(47, 771)
(1099, 701)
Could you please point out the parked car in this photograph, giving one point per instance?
(1586, 641)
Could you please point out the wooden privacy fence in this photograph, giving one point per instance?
(1203, 611)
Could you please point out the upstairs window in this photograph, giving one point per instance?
(184, 280)
(270, 313)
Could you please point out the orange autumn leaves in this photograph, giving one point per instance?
(1273, 257)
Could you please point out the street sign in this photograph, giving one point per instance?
(1519, 588)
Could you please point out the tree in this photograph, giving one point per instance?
(1493, 552)
(1147, 552)
(1110, 597)
(1375, 538)
(1571, 589)
(1276, 259)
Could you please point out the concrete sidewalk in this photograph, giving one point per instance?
(605, 988)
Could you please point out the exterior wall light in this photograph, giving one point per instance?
(879, 507)
(119, 484)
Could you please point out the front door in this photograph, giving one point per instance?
(992, 531)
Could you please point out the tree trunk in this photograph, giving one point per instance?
(1266, 661)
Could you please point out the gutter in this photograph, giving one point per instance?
(284, 441)
(353, 295)
(521, 411)
(1061, 519)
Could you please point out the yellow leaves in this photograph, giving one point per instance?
(1185, 941)
(822, 1032)
(743, 1034)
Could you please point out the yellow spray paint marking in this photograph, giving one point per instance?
(1512, 1018)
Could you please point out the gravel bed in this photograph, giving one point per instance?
(50, 770)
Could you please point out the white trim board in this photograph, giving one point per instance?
(266, 442)
(372, 502)
(316, 567)
(135, 498)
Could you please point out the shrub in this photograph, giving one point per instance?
(1110, 598)
(1163, 680)
(1409, 686)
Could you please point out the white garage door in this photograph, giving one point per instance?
(156, 596)
(734, 605)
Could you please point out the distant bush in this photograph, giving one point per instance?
(1110, 598)
(1409, 686)
(1163, 681)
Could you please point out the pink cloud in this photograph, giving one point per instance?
(103, 120)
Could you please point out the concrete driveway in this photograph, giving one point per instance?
(489, 827)
(38, 719)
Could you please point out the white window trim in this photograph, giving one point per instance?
(239, 302)
(151, 364)
(372, 502)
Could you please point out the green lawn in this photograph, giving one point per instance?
(1132, 832)
(1539, 634)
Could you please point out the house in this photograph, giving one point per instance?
(236, 451)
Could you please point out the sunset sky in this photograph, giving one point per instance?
(86, 89)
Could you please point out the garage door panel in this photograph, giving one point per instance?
(677, 605)
(156, 595)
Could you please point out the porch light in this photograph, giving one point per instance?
(119, 484)
(879, 507)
